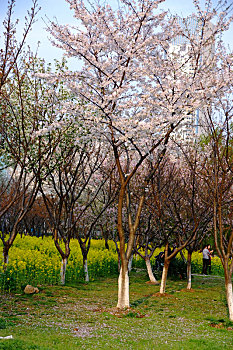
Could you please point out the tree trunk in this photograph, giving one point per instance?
(164, 277)
(85, 267)
(183, 257)
(119, 263)
(130, 263)
(189, 275)
(8, 244)
(229, 296)
(5, 257)
(123, 289)
(118, 256)
(63, 270)
(150, 272)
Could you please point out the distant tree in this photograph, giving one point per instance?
(217, 172)
(102, 194)
(69, 192)
(36, 222)
(198, 210)
(146, 242)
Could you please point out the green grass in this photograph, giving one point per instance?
(83, 316)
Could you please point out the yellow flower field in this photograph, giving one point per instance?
(36, 261)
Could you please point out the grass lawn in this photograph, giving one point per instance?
(84, 316)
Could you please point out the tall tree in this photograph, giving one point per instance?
(27, 104)
(138, 89)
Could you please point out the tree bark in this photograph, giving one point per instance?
(150, 272)
(7, 245)
(123, 289)
(229, 296)
(63, 270)
(164, 277)
(123, 280)
(85, 267)
(5, 258)
(130, 263)
(189, 275)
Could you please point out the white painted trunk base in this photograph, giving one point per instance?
(63, 270)
(189, 276)
(123, 290)
(150, 272)
(229, 300)
(163, 280)
(130, 263)
(86, 271)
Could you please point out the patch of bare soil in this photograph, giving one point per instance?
(166, 295)
(220, 326)
(188, 290)
(152, 283)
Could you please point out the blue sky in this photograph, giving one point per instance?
(60, 10)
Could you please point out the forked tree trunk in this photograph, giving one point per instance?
(189, 274)
(229, 296)
(64, 256)
(85, 267)
(150, 272)
(63, 270)
(164, 277)
(123, 289)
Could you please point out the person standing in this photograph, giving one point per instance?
(210, 256)
(206, 257)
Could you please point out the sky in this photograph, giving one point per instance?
(59, 9)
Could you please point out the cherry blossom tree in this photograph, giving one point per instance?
(218, 174)
(26, 104)
(167, 203)
(102, 194)
(70, 193)
(145, 243)
(15, 184)
(198, 209)
(108, 227)
(11, 47)
(137, 89)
